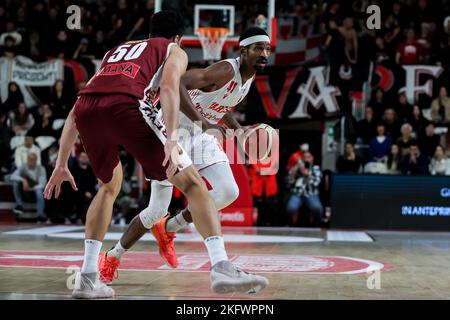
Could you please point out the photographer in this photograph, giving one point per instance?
(304, 179)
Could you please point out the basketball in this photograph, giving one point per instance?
(258, 141)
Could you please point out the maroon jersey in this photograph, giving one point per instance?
(131, 68)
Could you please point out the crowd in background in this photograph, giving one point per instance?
(394, 137)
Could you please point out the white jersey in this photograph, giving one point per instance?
(204, 149)
(215, 104)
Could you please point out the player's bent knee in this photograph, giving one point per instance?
(227, 195)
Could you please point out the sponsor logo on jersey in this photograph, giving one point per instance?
(128, 69)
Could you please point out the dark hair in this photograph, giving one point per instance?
(391, 159)
(166, 24)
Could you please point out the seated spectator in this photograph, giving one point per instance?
(428, 141)
(30, 178)
(5, 149)
(296, 156)
(378, 104)
(403, 108)
(22, 152)
(379, 146)
(366, 128)
(440, 107)
(60, 100)
(349, 162)
(405, 140)
(417, 121)
(14, 97)
(394, 160)
(21, 120)
(409, 52)
(86, 183)
(391, 123)
(415, 162)
(43, 124)
(440, 163)
(304, 179)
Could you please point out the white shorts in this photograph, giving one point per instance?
(204, 150)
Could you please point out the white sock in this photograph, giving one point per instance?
(216, 249)
(91, 252)
(176, 223)
(117, 251)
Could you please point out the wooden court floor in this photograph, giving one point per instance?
(38, 262)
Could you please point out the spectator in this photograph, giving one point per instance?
(367, 128)
(5, 150)
(15, 97)
(30, 178)
(10, 33)
(425, 40)
(415, 162)
(409, 52)
(351, 40)
(22, 152)
(417, 121)
(349, 162)
(21, 120)
(305, 178)
(296, 156)
(378, 104)
(264, 189)
(403, 108)
(381, 51)
(62, 47)
(379, 145)
(404, 141)
(440, 163)
(429, 141)
(60, 100)
(440, 107)
(86, 183)
(391, 123)
(394, 160)
(391, 33)
(99, 46)
(44, 122)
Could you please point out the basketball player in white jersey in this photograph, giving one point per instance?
(208, 96)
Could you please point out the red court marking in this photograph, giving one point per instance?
(198, 262)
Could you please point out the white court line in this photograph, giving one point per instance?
(350, 236)
(44, 230)
(195, 237)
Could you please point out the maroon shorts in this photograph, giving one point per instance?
(107, 121)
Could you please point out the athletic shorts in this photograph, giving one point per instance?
(106, 122)
(203, 149)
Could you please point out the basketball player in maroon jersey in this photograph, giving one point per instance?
(115, 109)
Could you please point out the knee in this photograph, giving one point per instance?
(111, 188)
(194, 185)
(227, 195)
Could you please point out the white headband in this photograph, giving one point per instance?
(254, 39)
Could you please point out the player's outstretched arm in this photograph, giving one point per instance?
(216, 75)
(61, 172)
(174, 68)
